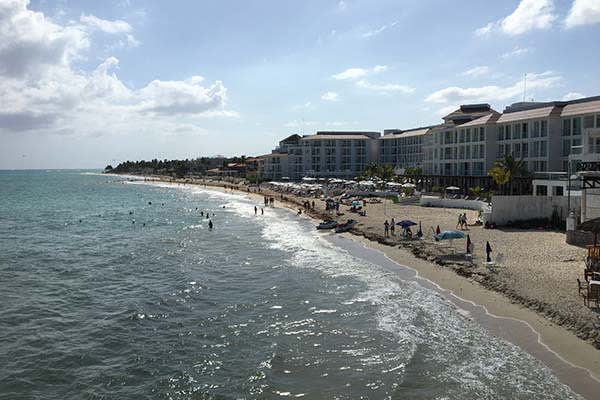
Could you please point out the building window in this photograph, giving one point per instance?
(500, 150)
(525, 130)
(517, 150)
(576, 126)
(524, 149)
(544, 128)
(598, 121)
(535, 132)
(507, 133)
(481, 134)
(588, 121)
(541, 190)
(501, 132)
(468, 139)
(536, 149)
(566, 127)
(517, 131)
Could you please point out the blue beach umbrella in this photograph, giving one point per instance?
(406, 223)
(450, 235)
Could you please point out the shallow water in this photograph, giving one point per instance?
(105, 295)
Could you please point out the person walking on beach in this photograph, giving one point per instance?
(313, 204)
(459, 223)
(464, 220)
(386, 228)
(393, 227)
(255, 210)
(262, 211)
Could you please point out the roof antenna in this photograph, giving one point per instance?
(524, 86)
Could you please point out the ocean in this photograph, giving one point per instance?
(112, 289)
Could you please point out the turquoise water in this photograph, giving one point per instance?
(116, 289)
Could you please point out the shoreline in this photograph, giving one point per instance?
(573, 360)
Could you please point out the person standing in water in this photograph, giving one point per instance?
(262, 211)
(255, 210)
(210, 224)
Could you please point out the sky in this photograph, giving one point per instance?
(84, 84)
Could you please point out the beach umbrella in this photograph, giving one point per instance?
(450, 235)
(409, 185)
(452, 188)
(593, 225)
(468, 244)
(438, 230)
(488, 250)
(406, 223)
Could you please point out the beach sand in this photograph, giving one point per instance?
(536, 282)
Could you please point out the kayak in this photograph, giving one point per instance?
(329, 224)
(346, 226)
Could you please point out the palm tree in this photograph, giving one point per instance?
(507, 168)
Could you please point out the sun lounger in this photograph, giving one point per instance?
(495, 263)
(594, 293)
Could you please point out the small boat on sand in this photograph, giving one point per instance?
(327, 224)
(345, 227)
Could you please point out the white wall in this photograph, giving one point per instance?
(521, 208)
(431, 201)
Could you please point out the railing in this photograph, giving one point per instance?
(593, 252)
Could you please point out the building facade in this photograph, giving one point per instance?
(548, 137)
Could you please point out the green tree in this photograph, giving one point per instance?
(507, 168)
(477, 191)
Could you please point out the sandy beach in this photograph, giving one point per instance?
(536, 282)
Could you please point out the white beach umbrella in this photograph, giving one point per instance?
(452, 188)
(408, 185)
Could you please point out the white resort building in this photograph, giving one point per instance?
(550, 137)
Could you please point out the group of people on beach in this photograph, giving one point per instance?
(269, 201)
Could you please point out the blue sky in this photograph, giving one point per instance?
(87, 83)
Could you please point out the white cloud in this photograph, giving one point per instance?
(583, 12)
(573, 96)
(477, 71)
(515, 52)
(117, 27)
(29, 42)
(529, 15)
(355, 73)
(385, 88)
(485, 30)
(377, 31)
(330, 96)
(42, 91)
(456, 94)
(342, 6)
(111, 27)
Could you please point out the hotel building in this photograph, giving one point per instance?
(548, 136)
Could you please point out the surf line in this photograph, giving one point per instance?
(451, 293)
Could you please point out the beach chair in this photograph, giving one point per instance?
(469, 254)
(495, 263)
(589, 293)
